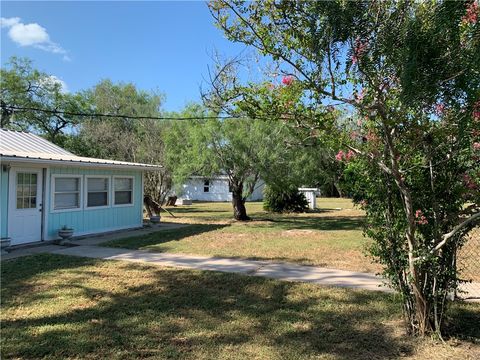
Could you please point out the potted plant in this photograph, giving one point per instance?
(65, 232)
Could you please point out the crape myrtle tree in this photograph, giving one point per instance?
(409, 74)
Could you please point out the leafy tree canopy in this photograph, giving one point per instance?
(22, 86)
(409, 74)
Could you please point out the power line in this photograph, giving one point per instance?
(133, 117)
(285, 116)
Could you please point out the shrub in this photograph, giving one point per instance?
(285, 200)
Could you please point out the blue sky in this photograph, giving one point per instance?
(156, 45)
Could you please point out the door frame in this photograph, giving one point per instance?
(12, 183)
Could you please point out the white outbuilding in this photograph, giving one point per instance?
(311, 196)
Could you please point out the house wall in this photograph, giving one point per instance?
(88, 221)
(193, 189)
(3, 202)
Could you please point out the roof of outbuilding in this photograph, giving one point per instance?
(24, 146)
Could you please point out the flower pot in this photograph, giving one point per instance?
(155, 219)
(65, 233)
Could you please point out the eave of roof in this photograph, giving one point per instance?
(78, 161)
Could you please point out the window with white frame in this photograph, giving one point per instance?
(66, 193)
(123, 190)
(97, 191)
(206, 186)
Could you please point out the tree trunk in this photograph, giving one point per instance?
(238, 202)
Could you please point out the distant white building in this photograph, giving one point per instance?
(310, 195)
(217, 188)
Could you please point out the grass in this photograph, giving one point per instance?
(56, 307)
(331, 237)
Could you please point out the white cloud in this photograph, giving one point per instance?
(4, 22)
(31, 35)
(28, 34)
(52, 79)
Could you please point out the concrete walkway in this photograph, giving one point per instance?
(91, 247)
(40, 247)
(281, 271)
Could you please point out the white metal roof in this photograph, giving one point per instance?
(26, 147)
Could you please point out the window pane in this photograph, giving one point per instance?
(33, 179)
(26, 190)
(33, 190)
(26, 179)
(19, 203)
(123, 184)
(67, 184)
(123, 197)
(66, 201)
(33, 202)
(19, 178)
(97, 184)
(19, 190)
(97, 199)
(26, 203)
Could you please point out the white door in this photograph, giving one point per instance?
(25, 205)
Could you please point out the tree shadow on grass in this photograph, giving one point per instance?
(184, 314)
(314, 223)
(163, 236)
(199, 211)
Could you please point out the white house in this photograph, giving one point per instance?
(217, 188)
(44, 188)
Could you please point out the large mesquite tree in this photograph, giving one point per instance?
(409, 73)
(244, 150)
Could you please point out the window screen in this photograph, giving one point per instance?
(97, 192)
(66, 193)
(123, 188)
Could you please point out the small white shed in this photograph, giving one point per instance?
(310, 195)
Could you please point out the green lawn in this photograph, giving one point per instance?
(331, 237)
(57, 307)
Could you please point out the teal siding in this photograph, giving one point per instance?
(3, 202)
(99, 220)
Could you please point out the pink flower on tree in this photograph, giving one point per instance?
(421, 219)
(439, 109)
(340, 155)
(287, 80)
(476, 146)
(471, 16)
(350, 154)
